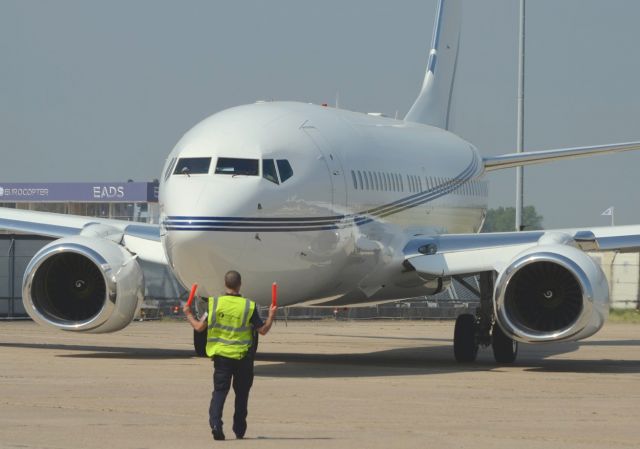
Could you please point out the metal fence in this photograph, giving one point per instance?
(162, 291)
(448, 304)
(16, 252)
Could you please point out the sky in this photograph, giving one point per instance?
(103, 90)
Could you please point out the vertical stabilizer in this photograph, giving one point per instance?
(433, 103)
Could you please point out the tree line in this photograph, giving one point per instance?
(503, 219)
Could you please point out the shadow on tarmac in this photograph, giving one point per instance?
(611, 343)
(287, 438)
(397, 362)
(108, 352)
(432, 359)
(382, 337)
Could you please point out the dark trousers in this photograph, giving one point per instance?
(227, 372)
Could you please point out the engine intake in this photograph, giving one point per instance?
(553, 293)
(68, 286)
(544, 296)
(83, 284)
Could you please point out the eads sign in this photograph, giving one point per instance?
(108, 192)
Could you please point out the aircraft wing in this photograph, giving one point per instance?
(139, 238)
(538, 157)
(457, 254)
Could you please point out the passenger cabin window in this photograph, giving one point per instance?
(234, 166)
(192, 165)
(284, 167)
(269, 171)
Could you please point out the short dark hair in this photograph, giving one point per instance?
(232, 280)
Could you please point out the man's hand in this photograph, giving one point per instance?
(186, 309)
(267, 325)
(199, 326)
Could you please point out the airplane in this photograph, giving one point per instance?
(339, 208)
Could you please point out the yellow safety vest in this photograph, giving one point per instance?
(229, 332)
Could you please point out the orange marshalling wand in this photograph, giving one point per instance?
(274, 295)
(194, 287)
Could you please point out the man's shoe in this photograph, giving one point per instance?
(217, 433)
(239, 431)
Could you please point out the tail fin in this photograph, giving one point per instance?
(433, 103)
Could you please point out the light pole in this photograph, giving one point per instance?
(520, 128)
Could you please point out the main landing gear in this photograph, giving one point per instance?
(473, 331)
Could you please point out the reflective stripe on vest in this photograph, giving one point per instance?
(229, 330)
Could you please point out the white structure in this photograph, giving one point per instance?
(623, 273)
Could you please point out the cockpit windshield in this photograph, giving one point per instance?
(285, 169)
(192, 165)
(234, 166)
(269, 170)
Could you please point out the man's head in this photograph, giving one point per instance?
(232, 280)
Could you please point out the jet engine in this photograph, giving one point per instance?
(551, 293)
(83, 284)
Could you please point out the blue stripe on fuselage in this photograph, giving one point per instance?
(295, 224)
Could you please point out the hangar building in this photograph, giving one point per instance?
(134, 201)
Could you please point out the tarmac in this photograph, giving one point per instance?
(320, 384)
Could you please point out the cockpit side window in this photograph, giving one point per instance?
(269, 171)
(192, 165)
(285, 169)
(235, 166)
(169, 169)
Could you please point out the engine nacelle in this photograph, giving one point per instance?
(551, 293)
(83, 284)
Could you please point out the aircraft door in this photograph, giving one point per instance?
(336, 170)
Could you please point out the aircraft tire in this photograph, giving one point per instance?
(200, 343)
(505, 349)
(465, 345)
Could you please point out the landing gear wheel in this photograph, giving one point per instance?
(200, 343)
(465, 345)
(505, 349)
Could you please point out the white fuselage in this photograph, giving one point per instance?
(332, 230)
